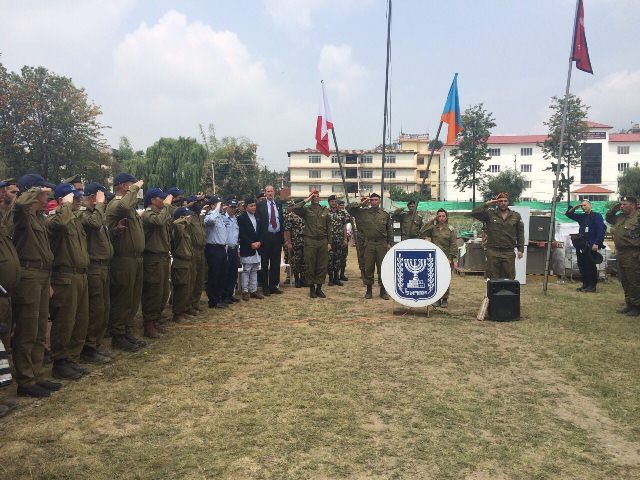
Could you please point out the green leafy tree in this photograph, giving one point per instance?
(629, 182)
(510, 181)
(48, 126)
(398, 194)
(173, 162)
(126, 159)
(472, 151)
(575, 132)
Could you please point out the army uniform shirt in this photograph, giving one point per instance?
(443, 237)
(374, 224)
(409, 227)
(156, 225)
(502, 234)
(128, 242)
(98, 242)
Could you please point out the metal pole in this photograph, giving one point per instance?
(213, 178)
(554, 202)
(426, 173)
(386, 106)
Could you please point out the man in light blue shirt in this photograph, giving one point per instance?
(215, 227)
(232, 252)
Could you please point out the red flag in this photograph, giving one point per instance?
(580, 52)
(323, 124)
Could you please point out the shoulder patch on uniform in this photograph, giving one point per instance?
(52, 212)
(118, 197)
(148, 209)
(450, 228)
(82, 208)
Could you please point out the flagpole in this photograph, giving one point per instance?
(386, 106)
(426, 174)
(554, 202)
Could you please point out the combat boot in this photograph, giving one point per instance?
(633, 312)
(343, 276)
(62, 369)
(159, 327)
(336, 280)
(331, 281)
(312, 292)
(136, 341)
(383, 294)
(150, 329)
(121, 343)
(319, 291)
(369, 294)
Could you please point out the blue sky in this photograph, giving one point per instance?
(252, 68)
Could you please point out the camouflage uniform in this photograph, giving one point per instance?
(295, 225)
(626, 237)
(345, 250)
(337, 221)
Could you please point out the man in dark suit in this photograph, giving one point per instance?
(249, 241)
(270, 231)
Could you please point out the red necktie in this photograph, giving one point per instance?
(274, 224)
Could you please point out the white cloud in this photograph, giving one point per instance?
(615, 99)
(339, 69)
(297, 15)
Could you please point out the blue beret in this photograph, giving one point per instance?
(175, 191)
(182, 212)
(153, 193)
(123, 178)
(29, 180)
(93, 188)
(65, 189)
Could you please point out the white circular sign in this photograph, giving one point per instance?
(416, 273)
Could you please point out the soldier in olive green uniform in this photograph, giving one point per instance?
(294, 244)
(195, 229)
(374, 225)
(9, 276)
(127, 237)
(441, 234)
(505, 232)
(338, 221)
(410, 222)
(8, 195)
(182, 274)
(69, 306)
(30, 307)
(156, 222)
(626, 237)
(317, 242)
(92, 215)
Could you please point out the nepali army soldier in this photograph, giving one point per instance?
(338, 221)
(76, 181)
(127, 237)
(345, 250)
(195, 229)
(69, 307)
(443, 235)
(374, 225)
(317, 242)
(156, 222)
(8, 195)
(294, 243)
(182, 274)
(624, 218)
(410, 222)
(9, 275)
(30, 298)
(505, 232)
(92, 215)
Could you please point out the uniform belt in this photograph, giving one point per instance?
(103, 263)
(62, 269)
(35, 265)
(502, 248)
(155, 254)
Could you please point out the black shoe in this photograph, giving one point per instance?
(343, 277)
(369, 294)
(221, 305)
(444, 303)
(63, 369)
(277, 291)
(105, 353)
(91, 355)
(337, 282)
(581, 289)
(234, 299)
(266, 292)
(330, 282)
(633, 312)
(136, 341)
(624, 309)
(35, 391)
(121, 343)
(78, 368)
(319, 292)
(589, 289)
(298, 283)
(383, 294)
(48, 385)
(312, 292)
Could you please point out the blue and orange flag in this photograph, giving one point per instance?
(451, 114)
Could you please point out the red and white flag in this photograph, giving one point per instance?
(580, 51)
(323, 124)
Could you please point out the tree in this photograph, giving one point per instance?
(471, 151)
(629, 182)
(398, 194)
(48, 126)
(575, 132)
(510, 181)
(126, 159)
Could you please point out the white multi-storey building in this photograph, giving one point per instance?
(605, 155)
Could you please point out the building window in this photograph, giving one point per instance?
(622, 166)
(366, 159)
(314, 173)
(420, 160)
(525, 168)
(526, 151)
(366, 187)
(527, 184)
(334, 159)
(494, 168)
(389, 159)
(387, 188)
(623, 149)
(423, 174)
(335, 174)
(337, 188)
(494, 152)
(366, 173)
(314, 158)
(315, 187)
(389, 174)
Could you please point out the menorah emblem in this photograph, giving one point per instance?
(415, 266)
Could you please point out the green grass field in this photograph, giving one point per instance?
(288, 387)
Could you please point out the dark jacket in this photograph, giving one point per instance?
(262, 214)
(247, 235)
(591, 226)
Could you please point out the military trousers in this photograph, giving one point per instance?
(316, 257)
(199, 266)
(629, 274)
(5, 319)
(374, 252)
(69, 309)
(360, 250)
(182, 278)
(295, 259)
(125, 292)
(30, 314)
(155, 285)
(335, 256)
(343, 258)
(98, 281)
(501, 263)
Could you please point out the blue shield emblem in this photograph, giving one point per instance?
(416, 274)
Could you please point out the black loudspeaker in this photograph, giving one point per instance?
(504, 299)
(539, 228)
